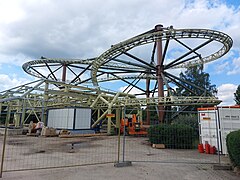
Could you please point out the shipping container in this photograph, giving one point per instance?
(215, 123)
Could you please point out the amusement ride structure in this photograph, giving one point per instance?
(144, 65)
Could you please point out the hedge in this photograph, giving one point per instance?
(233, 147)
(174, 136)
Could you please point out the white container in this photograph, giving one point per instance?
(215, 123)
(69, 118)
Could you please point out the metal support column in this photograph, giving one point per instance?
(98, 113)
(23, 112)
(140, 114)
(0, 108)
(159, 71)
(147, 96)
(109, 125)
(17, 114)
(45, 102)
(64, 73)
(118, 118)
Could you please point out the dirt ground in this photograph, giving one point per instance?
(24, 155)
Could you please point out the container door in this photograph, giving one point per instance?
(229, 121)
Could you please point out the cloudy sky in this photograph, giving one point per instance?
(86, 28)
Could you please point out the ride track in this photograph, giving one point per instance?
(119, 63)
(144, 65)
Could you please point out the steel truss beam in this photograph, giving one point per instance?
(51, 92)
(87, 97)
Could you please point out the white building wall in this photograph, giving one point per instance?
(83, 118)
(69, 118)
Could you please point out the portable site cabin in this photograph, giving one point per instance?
(215, 123)
(70, 118)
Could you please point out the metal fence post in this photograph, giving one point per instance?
(5, 139)
(124, 133)
(123, 163)
(119, 138)
(217, 131)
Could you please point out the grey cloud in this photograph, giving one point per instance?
(71, 28)
(78, 28)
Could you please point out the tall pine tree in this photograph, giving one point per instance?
(237, 95)
(195, 82)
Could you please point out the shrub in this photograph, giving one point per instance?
(233, 147)
(175, 136)
(187, 119)
(190, 120)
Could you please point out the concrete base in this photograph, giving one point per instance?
(123, 164)
(222, 167)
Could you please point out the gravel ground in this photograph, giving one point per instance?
(24, 153)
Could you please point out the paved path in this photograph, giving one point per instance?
(139, 171)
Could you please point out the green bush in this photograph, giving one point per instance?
(233, 147)
(175, 136)
(188, 119)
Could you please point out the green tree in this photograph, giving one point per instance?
(195, 82)
(237, 95)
